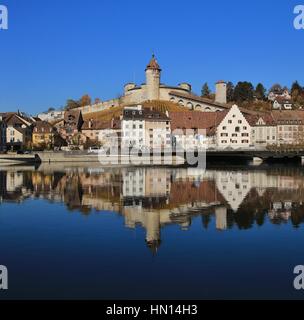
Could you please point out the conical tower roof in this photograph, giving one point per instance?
(153, 65)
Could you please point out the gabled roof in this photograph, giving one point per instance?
(267, 119)
(75, 113)
(15, 119)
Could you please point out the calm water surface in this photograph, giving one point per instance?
(144, 233)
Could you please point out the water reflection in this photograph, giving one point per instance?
(155, 197)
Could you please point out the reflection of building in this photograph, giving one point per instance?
(156, 197)
(221, 218)
(234, 186)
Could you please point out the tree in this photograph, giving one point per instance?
(71, 104)
(58, 141)
(276, 88)
(230, 91)
(297, 95)
(206, 91)
(260, 92)
(85, 100)
(244, 91)
(296, 87)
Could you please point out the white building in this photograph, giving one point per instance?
(282, 103)
(263, 130)
(234, 130)
(143, 127)
(51, 116)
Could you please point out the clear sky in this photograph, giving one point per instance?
(60, 49)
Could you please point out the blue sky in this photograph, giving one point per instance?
(60, 49)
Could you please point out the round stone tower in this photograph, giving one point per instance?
(221, 92)
(153, 72)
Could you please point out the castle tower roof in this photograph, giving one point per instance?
(153, 65)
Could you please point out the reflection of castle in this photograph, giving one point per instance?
(156, 197)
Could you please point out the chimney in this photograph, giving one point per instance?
(221, 92)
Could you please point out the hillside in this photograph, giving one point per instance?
(161, 106)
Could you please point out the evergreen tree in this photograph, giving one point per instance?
(260, 92)
(230, 91)
(296, 87)
(244, 91)
(206, 91)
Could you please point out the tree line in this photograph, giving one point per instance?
(245, 93)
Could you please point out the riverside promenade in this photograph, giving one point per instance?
(147, 159)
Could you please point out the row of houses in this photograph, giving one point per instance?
(235, 128)
(19, 131)
(145, 127)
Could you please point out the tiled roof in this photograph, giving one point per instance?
(196, 119)
(283, 100)
(101, 125)
(42, 127)
(267, 118)
(288, 115)
(75, 113)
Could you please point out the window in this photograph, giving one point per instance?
(140, 126)
(245, 141)
(224, 128)
(245, 134)
(244, 128)
(230, 121)
(240, 121)
(237, 129)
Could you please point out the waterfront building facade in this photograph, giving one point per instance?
(234, 130)
(290, 126)
(263, 130)
(18, 131)
(43, 134)
(145, 128)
